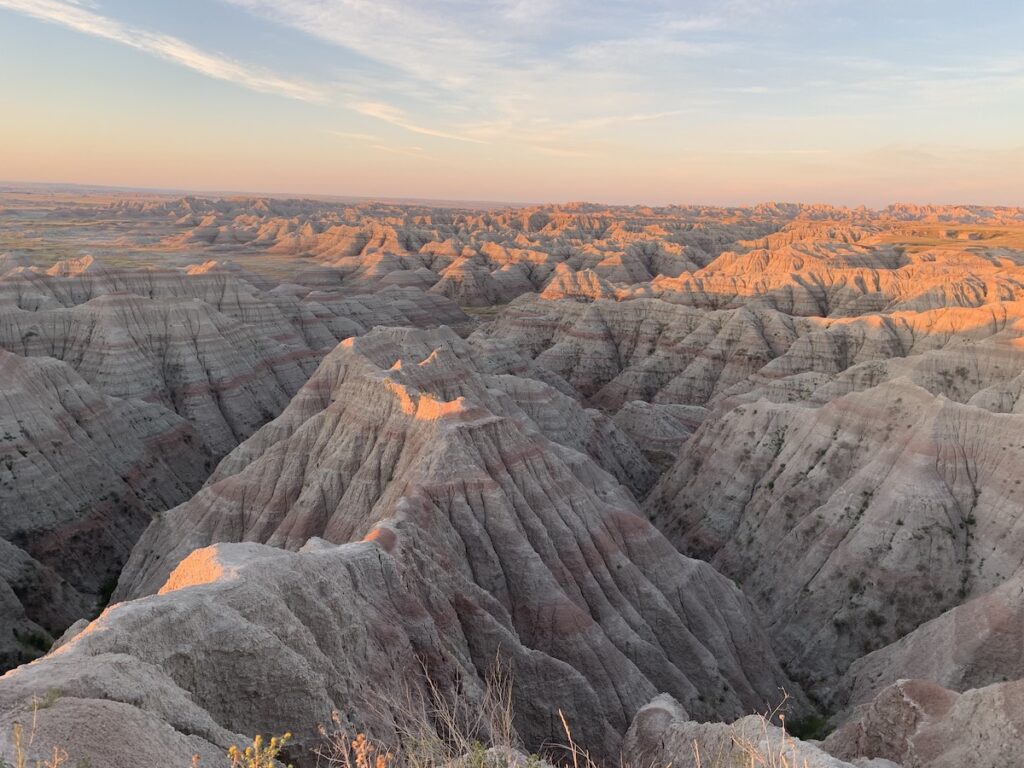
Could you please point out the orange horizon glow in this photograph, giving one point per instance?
(726, 104)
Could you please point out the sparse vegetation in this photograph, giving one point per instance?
(23, 741)
(260, 754)
(36, 642)
(433, 731)
(106, 592)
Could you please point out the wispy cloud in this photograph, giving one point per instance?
(431, 47)
(407, 151)
(398, 117)
(626, 51)
(515, 67)
(638, 117)
(365, 137)
(80, 18)
(374, 142)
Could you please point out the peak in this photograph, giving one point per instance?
(72, 267)
(203, 566)
(207, 266)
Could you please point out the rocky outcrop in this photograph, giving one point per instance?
(11, 261)
(663, 734)
(650, 350)
(166, 372)
(659, 429)
(922, 725)
(436, 362)
(585, 285)
(826, 279)
(222, 375)
(645, 349)
(205, 343)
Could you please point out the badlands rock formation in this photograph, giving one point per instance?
(167, 371)
(80, 475)
(823, 406)
(853, 522)
(483, 533)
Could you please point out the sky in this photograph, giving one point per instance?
(651, 101)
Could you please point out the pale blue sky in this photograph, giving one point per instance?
(730, 101)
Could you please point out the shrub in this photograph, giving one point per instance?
(262, 754)
(810, 727)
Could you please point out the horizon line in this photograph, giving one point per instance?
(7, 185)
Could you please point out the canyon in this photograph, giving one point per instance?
(267, 459)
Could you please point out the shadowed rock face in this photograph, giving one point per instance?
(80, 475)
(204, 342)
(166, 371)
(975, 644)
(485, 532)
(222, 375)
(851, 523)
(646, 349)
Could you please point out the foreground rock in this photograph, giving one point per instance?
(663, 734)
(923, 725)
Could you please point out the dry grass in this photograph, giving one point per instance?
(768, 747)
(24, 740)
(433, 731)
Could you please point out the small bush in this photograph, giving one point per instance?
(810, 727)
(262, 754)
(106, 592)
(33, 641)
